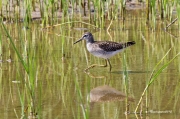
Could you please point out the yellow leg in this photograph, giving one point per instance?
(109, 65)
(94, 65)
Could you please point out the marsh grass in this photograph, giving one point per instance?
(154, 75)
(84, 106)
(64, 84)
(16, 50)
(30, 77)
(51, 10)
(178, 12)
(126, 80)
(0, 46)
(27, 12)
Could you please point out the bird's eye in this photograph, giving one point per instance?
(85, 35)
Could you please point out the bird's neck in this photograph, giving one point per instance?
(90, 40)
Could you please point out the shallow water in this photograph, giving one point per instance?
(60, 88)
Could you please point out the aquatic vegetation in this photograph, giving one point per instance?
(42, 71)
(154, 76)
(49, 11)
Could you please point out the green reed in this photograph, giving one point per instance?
(52, 6)
(30, 66)
(154, 75)
(64, 7)
(16, 50)
(103, 10)
(0, 44)
(178, 12)
(169, 9)
(166, 8)
(28, 10)
(85, 108)
(44, 13)
(126, 80)
(1, 10)
(123, 9)
(162, 9)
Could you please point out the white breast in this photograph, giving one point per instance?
(98, 52)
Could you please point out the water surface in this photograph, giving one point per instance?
(61, 88)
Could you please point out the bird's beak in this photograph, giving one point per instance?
(78, 40)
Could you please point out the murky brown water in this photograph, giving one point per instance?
(61, 88)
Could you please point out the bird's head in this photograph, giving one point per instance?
(87, 36)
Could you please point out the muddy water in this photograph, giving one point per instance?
(61, 89)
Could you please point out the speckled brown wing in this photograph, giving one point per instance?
(113, 46)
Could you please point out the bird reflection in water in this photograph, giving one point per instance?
(107, 94)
